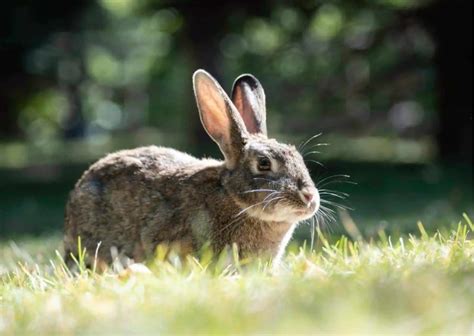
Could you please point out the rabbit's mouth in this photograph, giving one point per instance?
(303, 212)
(287, 208)
(306, 212)
(288, 212)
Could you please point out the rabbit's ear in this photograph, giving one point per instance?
(219, 117)
(249, 98)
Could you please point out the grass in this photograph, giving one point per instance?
(419, 284)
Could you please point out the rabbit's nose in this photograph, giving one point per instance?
(309, 196)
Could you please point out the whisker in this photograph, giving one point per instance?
(318, 145)
(332, 177)
(337, 181)
(328, 214)
(327, 220)
(257, 190)
(268, 196)
(322, 193)
(270, 201)
(237, 217)
(324, 221)
(248, 208)
(302, 146)
(229, 225)
(310, 153)
(314, 161)
(337, 205)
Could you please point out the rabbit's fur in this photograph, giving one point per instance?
(132, 200)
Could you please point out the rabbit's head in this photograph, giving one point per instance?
(269, 180)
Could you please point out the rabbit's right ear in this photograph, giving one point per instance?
(219, 116)
(249, 98)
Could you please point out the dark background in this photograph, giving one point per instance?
(388, 82)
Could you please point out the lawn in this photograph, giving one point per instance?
(417, 284)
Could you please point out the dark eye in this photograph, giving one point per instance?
(264, 164)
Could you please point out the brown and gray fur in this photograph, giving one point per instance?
(132, 200)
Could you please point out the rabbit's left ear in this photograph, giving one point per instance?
(249, 98)
(219, 117)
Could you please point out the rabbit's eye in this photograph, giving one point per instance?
(264, 164)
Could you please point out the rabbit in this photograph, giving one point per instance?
(130, 201)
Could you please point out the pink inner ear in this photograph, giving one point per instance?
(245, 112)
(213, 108)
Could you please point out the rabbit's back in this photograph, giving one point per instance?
(118, 195)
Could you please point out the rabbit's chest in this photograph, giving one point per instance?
(258, 237)
(200, 224)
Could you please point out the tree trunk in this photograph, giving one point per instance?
(450, 23)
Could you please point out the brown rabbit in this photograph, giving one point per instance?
(132, 200)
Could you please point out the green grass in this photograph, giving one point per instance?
(415, 285)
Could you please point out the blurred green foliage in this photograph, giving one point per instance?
(343, 67)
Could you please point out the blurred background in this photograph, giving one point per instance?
(387, 82)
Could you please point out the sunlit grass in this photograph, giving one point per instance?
(415, 285)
